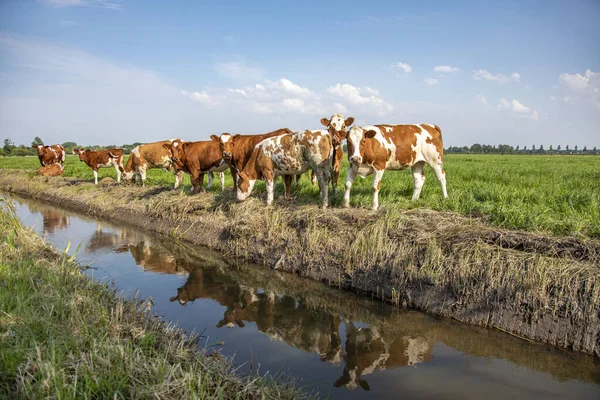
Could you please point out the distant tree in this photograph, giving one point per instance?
(550, 148)
(542, 148)
(517, 148)
(594, 149)
(575, 148)
(558, 148)
(533, 147)
(476, 148)
(567, 148)
(70, 145)
(584, 149)
(524, 148)
(37, 141)
(9, 145)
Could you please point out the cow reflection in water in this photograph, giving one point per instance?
(53, 220)
(287, 319)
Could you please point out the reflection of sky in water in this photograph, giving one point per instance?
(409, 356)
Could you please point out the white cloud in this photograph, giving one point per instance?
(445, 69)
(483, 74)
(201, 97)
(431, 81)
(240, 70)
(576, 88)
(356, 97)
(113, 5)
(517, 108)
(403, 66)
(480, 99)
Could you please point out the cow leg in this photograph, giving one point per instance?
(95, 177)
(178, 179)
(334, 180)
(143, 176)
(211, 177)
(377, 175)
(222, 179)
(418, 178)
(287, 182)
(349, 179)
(270, 190)
(440, 175)
(118, 172)
(234, 176)
(323, 176)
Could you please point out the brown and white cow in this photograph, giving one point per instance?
(288, 155)
(336, 126)
(373, 149)
(51, 170)
(197, 159)
(147, 156)
(54, 154)
(237, 149)
(96, 159)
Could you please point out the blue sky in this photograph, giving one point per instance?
(111, 71)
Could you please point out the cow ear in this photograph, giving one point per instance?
(325, 121)
(370, 134)
(215, 138)
(167, 146)
(349, 121)
(236, 137)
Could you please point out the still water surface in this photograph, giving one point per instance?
(338, 344)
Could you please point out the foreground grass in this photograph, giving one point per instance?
(559, 195)
(65, 336)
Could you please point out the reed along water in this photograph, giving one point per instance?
(333, 342)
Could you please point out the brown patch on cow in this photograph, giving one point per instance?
(405, 139)
(436, 138)
(374, 153)
(50, 154)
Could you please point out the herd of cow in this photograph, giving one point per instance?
(371, 150)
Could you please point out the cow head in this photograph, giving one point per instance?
(357, 139)
(244, 186)
(80, 153)
(40, 149)
(176, 147)
(226, 143)
(336, 125)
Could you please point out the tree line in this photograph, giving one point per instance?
(10, 149)
(507, 149)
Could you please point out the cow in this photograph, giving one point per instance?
(336, 126)
(54, 154)
(150, 155)
(197, 159)
(373, 149)
(96, 159)
(237, 149)
(288, 154)
(51, 170)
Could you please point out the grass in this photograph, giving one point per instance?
(558, 195)
(65, 336)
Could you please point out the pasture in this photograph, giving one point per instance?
(559, 195)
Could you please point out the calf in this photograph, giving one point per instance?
(336, 126)
(150, 155)
(102, 159)
(375, 148)
(288, 154)
(54, 154)
(237, 149)
(198, 158)
(51, 170)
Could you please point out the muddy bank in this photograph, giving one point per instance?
(546, 289)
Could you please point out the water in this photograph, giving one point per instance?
(338, 344)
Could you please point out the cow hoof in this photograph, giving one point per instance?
(346, 205)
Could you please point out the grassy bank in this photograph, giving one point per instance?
(65, 336)
(541, 287)
(534, 193)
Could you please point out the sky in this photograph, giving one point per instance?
(122, 71)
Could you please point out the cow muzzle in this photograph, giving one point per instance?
(226, 155)
(356, 160)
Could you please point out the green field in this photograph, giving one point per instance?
(552, 194)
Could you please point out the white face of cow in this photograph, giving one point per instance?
(355, 136)
(337, 126)
(226, 144)
(244, 186)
